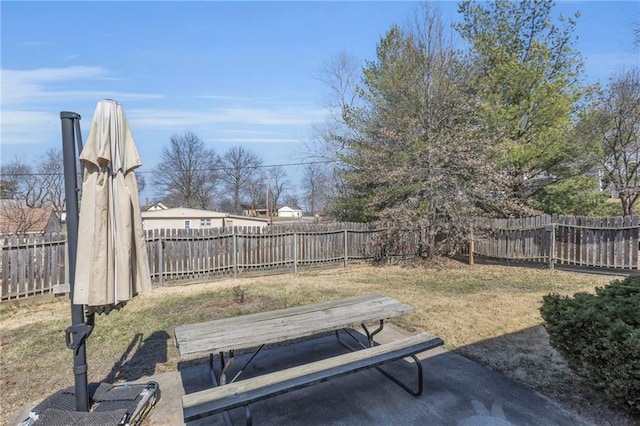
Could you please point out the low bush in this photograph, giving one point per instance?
(599, 337)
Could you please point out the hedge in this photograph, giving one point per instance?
(599, 337)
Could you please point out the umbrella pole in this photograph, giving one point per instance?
(79, 330)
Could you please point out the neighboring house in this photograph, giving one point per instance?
(24, 220)
(157, 206)
(286, 211)
(184, 218)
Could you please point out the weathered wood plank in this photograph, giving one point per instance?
(250, 331)
(243, 392)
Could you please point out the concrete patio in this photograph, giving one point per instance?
(457, 392)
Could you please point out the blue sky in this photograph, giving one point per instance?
(233, 73)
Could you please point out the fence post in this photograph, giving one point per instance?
(160, 261)
(551, 235)
(295, 252)
(346, 249)
(471, 245)
(235, 252)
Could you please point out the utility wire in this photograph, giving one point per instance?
(262, 166)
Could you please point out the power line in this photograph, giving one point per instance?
(262, 166)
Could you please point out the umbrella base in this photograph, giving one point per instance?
(123, 404)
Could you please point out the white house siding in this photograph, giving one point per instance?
(183, 218)
(287, 211)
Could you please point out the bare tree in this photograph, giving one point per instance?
(291, 200)
(330, 141)
(12, 175)
(25, 183)
(316, 186)
(51, 172)
(28, 196)
(257, 192)
(278, 183)
(187, 174)
(611, 130)
(239, 169)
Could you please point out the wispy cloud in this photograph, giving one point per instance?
(251, 116)
(230, 98)
(28, 127)
(255, 140)
(28, 96)
(21, 87)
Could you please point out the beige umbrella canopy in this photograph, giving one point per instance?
(111, 265)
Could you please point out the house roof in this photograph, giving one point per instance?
(186, 213)
(292, 209)
(24, 220)
(157, 206)
(182, 213)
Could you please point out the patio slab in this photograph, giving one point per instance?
(457, 392)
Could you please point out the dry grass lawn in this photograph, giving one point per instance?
(487, 313)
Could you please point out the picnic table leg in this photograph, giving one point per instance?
(371, 343)
(247, 415)
(397, 381)
(246, 364)
(212, 372)
(370, 340)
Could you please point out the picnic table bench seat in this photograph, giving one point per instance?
(244, 392)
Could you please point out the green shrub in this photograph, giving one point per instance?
(599, 337)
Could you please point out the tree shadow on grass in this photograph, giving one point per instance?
(140, 358)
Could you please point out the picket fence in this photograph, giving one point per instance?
(36, 264)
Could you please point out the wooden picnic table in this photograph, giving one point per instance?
(254, 331)
(265, 328)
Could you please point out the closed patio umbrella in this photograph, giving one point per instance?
(106, 243)
(111, 265)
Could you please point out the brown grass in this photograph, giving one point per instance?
(487, 313)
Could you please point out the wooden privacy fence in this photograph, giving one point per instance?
(185, 254)
(32, 264)
(595, 242)
(35, 264)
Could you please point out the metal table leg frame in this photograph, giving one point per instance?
(246, 364)
(224, 367)
(212, 371)
(347, 345)
(404, 386)
(370, 335)
(370, 340)
(247, 415)
(416, 392)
